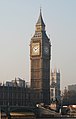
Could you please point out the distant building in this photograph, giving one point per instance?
(55, 85)
(72, 94)
(72, 87)
(69, 96)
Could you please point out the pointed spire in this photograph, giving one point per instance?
(40, 19)
(40, 9)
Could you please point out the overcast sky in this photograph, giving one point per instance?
(17, 25)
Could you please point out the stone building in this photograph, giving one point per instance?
(40, 55)
(16, 82)
(55, 85)
(18, 96)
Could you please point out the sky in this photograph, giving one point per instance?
(17, 26)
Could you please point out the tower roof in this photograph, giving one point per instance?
(40, 20)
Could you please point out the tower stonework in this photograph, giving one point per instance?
(40, 55)
(55, 85)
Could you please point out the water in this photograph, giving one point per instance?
(30, 116)
(58, 118)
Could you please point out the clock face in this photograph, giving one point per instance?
(35, 48)
(46, 49)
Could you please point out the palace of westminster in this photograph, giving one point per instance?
(43, 87)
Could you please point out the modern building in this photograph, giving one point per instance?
(55, 85)
(72, 87)
(72, 94)
(69, 96)
(40, 55)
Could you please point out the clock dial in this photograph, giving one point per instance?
(46, 49)
(35, 48)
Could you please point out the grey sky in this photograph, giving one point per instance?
(17, 25)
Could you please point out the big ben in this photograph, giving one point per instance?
(40, 55)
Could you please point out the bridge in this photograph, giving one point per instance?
(33, 111)
(17, 109)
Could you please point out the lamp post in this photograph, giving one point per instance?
(61, 103)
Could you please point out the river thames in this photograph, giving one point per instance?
(58, 118)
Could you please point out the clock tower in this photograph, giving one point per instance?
(40, 54)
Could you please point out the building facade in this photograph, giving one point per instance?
(55, 85)
(40, 54)
(14, 96)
